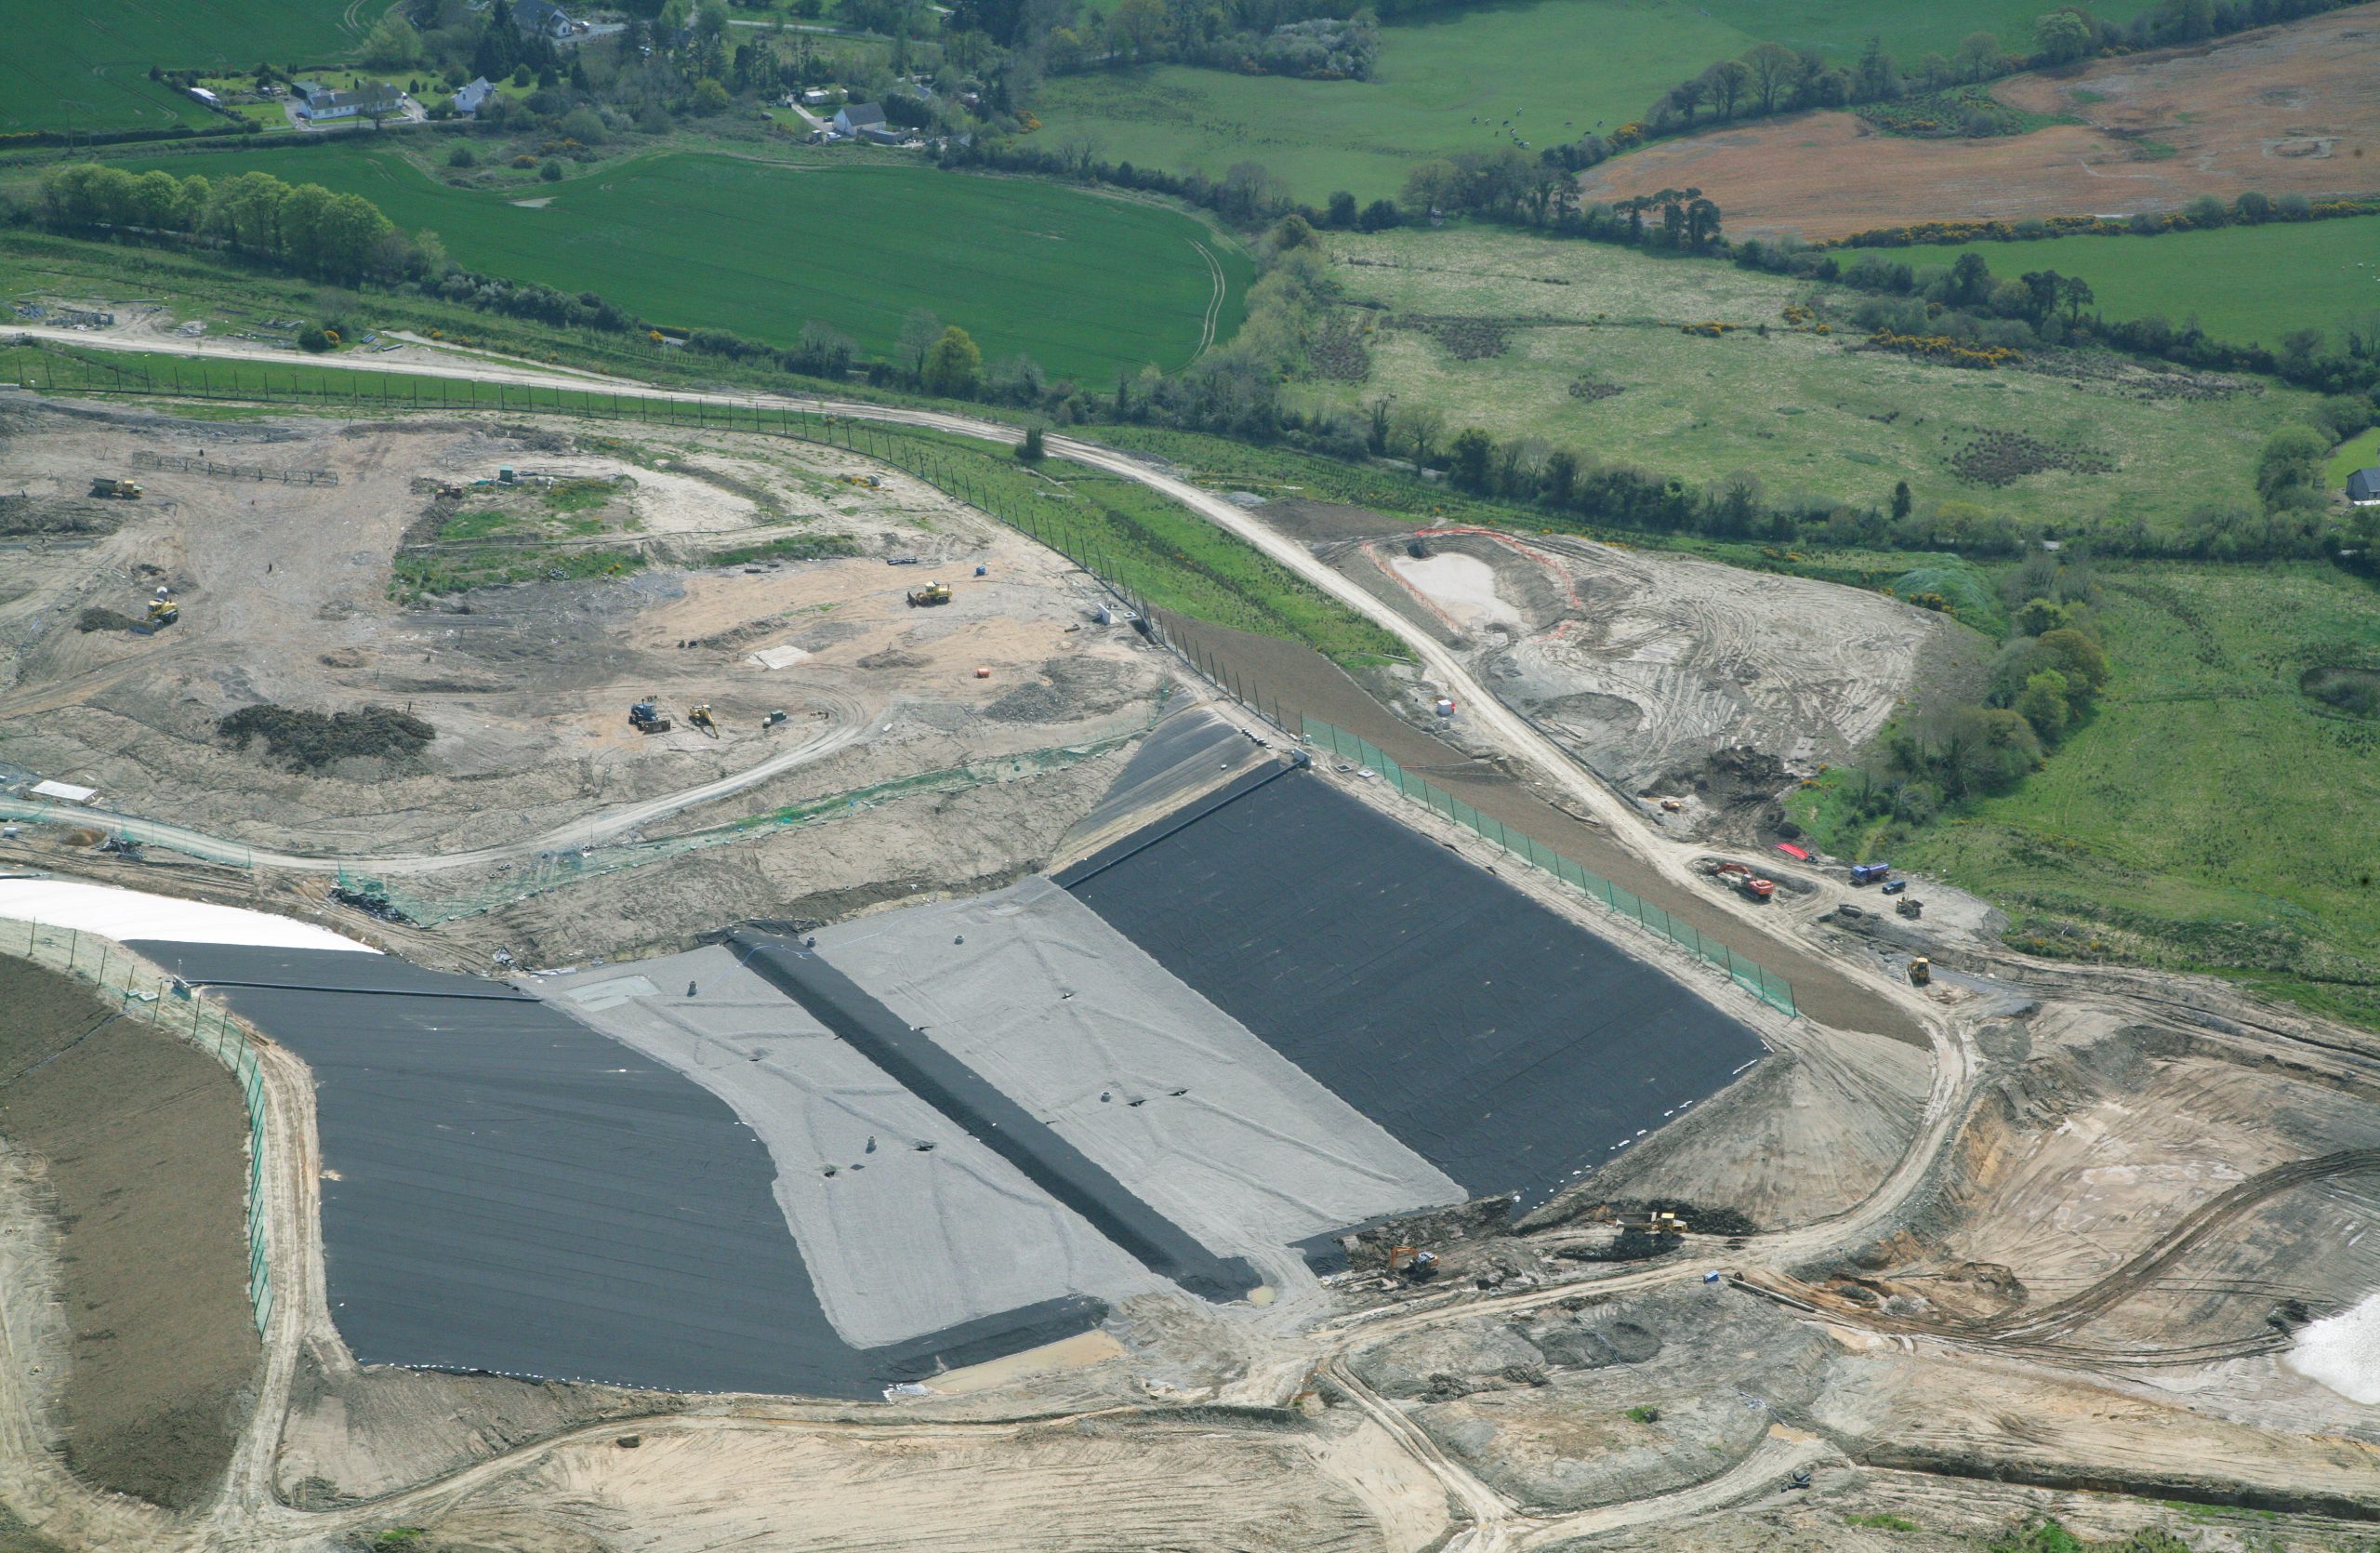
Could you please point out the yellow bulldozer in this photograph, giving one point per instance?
(162, 613)
(930, 594)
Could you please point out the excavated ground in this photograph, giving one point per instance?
(127, 1146)
(290, 596)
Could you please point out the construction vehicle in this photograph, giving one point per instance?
(700, 717)
(1910, 907)
(1657, 1222)
(869, 481)
(1920, 970)
(1758, 889)
(645, 717)
(930, 594)
(162, 613)
(121, 490)
(1870, 873)
(1412, 1263)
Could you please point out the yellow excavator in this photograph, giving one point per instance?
(930, 594)
(700, 717)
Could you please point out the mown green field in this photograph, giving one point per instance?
(2211, 815)
(2252, 285)
(1446, 83)
(1803, 414)
(84, 64)
(1086, 284)
(2360, 452)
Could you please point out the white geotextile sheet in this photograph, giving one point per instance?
(124, 915)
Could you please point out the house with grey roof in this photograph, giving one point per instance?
(854, 119)
(473, 98)
(2364, 487)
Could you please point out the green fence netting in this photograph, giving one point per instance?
(1753, 977)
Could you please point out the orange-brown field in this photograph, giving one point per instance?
(2286, 110)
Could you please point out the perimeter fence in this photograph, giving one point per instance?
(1753, 977)
(157, 1000)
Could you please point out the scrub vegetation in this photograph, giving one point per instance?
(2197, 814)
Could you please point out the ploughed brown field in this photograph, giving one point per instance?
(2284, 110)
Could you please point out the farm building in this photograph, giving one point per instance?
(2364, 487)
(472, 99)
(375, 99)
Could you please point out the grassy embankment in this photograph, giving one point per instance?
(1085, 283)
(84, 64)
(1557, 68)
(1802, 413)
(2252, 285)
(2211, 814)
(1127, 535)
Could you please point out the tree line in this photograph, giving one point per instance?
(301, 226)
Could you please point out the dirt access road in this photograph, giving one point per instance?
(1491, 719)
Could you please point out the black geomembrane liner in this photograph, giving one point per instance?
(1505, 1044)
(508, 1191)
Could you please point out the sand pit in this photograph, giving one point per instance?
(1647, 666)
(1461, 586)
(908, 1225)
(2284, 110)
(2343, 1352)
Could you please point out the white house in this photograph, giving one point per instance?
(376, 99)
(473, 98)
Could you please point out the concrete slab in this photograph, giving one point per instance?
(1191, 1112)
(908, 1225)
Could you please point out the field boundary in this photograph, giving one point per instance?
(1750, 975)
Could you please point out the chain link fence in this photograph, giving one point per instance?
(172, 1006)
(1754, 978)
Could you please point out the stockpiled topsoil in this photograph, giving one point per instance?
(137, 1143)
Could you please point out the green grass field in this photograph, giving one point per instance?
(1800, 413)
(2211, 815)
(1086, 284)
(2246, 283)
(1568, 67)
(84, 64)
(2360, 452)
